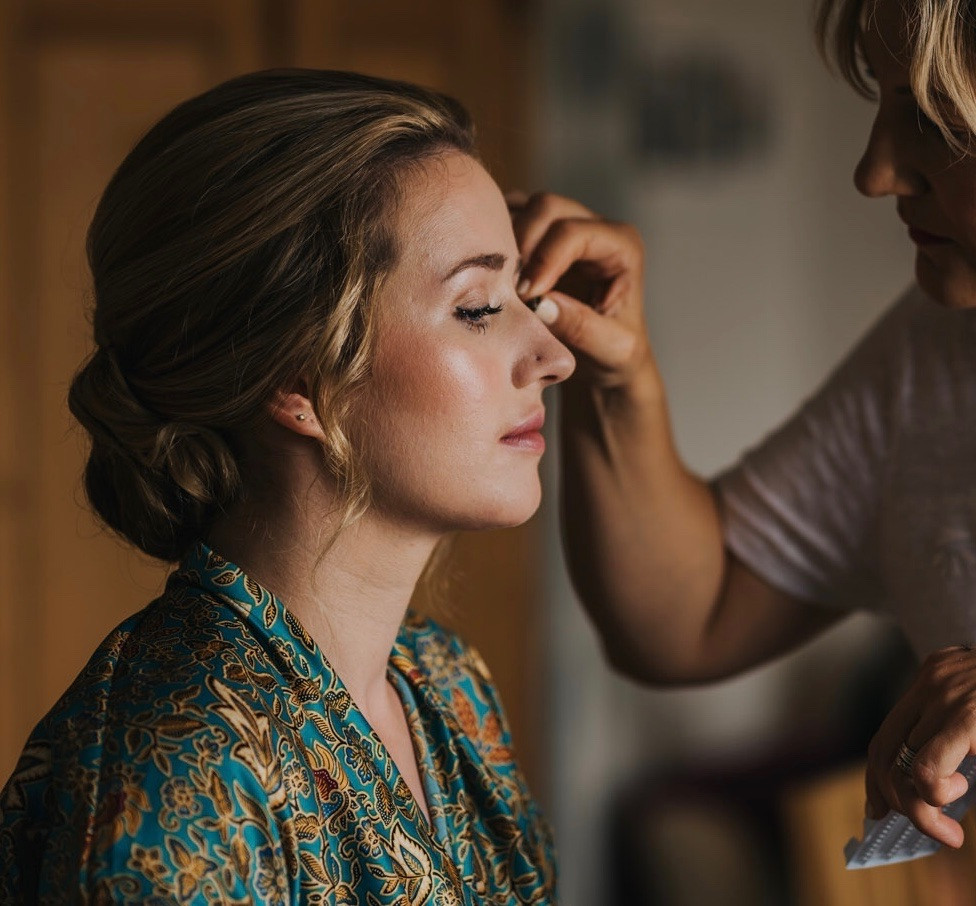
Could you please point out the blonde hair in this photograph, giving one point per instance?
(235, 251)
(942, 44)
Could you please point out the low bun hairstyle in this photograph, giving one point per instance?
(235, 251)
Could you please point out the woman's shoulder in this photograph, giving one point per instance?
(162, 679)
(458, 675)
(440, 653)
(171, 713)
(166, 737)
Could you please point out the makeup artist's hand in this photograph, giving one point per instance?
(590, 274)
(913, 757)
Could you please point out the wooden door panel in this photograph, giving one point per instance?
(10, 412)
(477, 51)
(93, 98)
(228, 36)
(88, 80)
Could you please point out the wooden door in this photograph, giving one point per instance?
(79, 82)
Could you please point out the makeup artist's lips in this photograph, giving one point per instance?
(527, 434)
(921, 237)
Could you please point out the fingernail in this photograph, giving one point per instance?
(547, 310)
(523, 286)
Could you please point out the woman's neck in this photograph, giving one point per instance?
(351, 599)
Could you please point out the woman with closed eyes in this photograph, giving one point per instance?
(310, 365)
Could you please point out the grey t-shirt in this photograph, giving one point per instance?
(866, 497)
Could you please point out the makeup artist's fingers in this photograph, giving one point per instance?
(591, 272)
(936, 720)
(609, 350)
(945, 730)
(534, 215)
(898, 792)
(883, 750)
(936, 776)
(875, 805)
(604, 262)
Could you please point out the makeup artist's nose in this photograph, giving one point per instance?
(888, 164)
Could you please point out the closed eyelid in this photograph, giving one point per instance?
(476, 318)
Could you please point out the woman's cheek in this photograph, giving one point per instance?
(465, 379)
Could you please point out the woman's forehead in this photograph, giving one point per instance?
(452, 210)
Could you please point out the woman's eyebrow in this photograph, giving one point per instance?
(493, 261)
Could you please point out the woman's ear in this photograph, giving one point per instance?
(294, 411)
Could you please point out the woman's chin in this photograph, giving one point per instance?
(510, 511)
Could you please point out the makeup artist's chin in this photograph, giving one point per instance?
(947, 275)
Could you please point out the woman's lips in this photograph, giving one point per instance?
(526, 435)
(920, 237)
(529, 440)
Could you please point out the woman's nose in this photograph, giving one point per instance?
(887, 166)
(544, 358)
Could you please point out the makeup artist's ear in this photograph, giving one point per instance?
(293, 410)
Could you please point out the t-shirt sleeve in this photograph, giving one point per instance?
(801, 508)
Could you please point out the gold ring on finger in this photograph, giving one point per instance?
(905, 759)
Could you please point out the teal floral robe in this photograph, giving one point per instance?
(208, 753)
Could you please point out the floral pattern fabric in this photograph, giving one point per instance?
(209, 754)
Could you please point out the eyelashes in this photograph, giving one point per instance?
(476, 318)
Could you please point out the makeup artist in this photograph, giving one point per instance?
(862, 499)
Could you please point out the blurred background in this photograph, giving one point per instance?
(714, 127)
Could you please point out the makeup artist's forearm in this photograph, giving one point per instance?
(646, 553)
(644, 544)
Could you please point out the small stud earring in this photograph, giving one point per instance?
(301, 416)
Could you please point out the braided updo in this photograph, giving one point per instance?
(235, 251)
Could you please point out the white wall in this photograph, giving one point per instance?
(759, 276)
